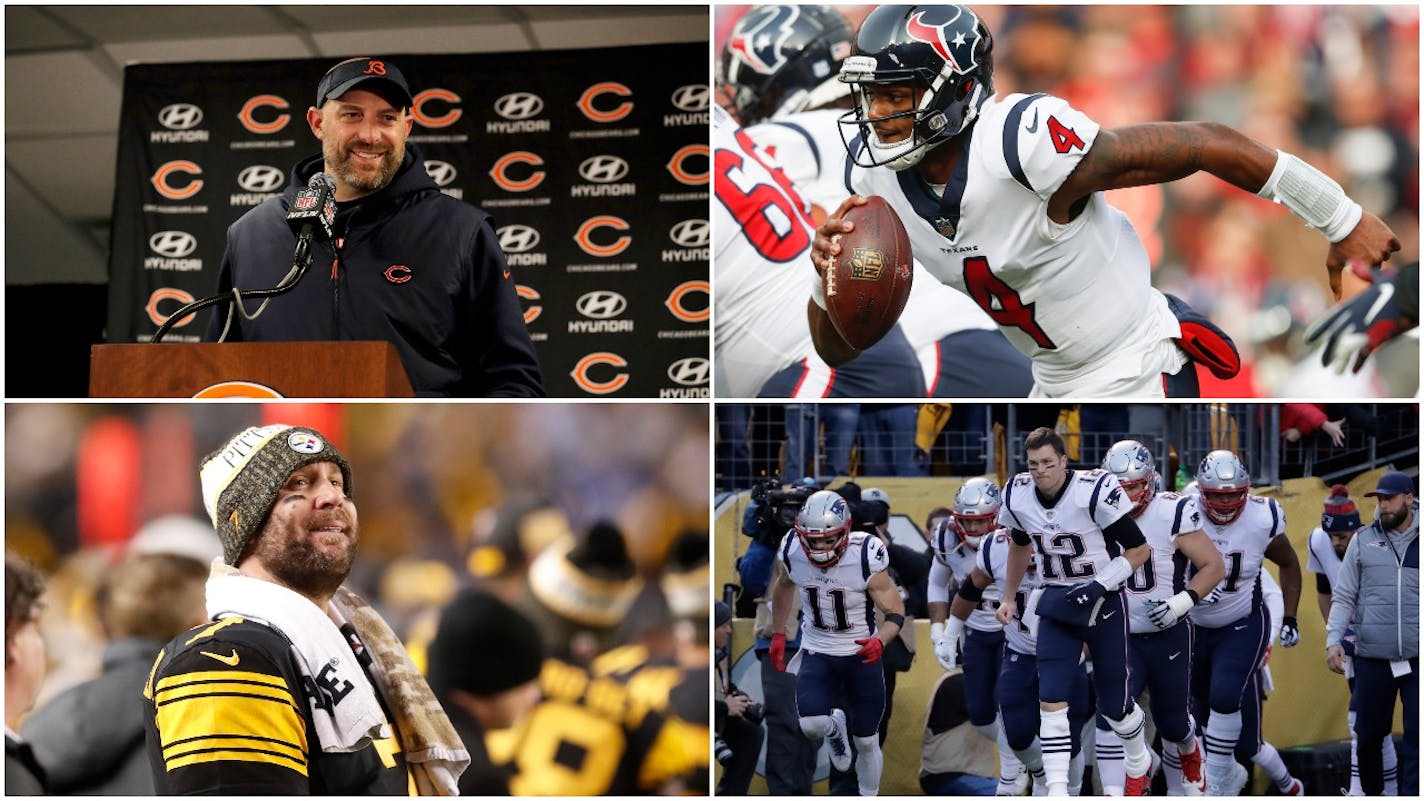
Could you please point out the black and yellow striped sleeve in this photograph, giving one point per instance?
(227, 721)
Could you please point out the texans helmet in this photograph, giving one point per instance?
(779, 60)
(1136, 471)
(823, 526)
(944, 52)
(977, 499)
(1224, 485)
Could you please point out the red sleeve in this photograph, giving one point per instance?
(1305, 417)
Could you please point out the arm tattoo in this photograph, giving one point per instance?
(1154, 153)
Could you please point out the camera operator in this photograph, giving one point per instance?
(790, 756)
(738, 719)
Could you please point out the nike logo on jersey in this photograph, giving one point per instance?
(230, 661)
(1238, 628)
(1107, 615)
(1174, 656)
(1033, 126)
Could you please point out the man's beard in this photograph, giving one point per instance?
(338, 159)
(1394, 519)
(295, 560)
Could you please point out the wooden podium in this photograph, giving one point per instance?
(248, 369)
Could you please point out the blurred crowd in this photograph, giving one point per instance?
(590, 521)
(1336, 85)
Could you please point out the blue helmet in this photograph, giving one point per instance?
(782, 59)
(945, 51)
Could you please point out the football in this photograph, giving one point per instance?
(867, 286)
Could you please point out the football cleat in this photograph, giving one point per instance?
(838, 742)
(1296, 787)
(1193, 771)
(1015, 786)
(1230, 784)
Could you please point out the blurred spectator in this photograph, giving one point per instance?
(739, 737)
(507, 538)
(481, 694)
(579, 591)
(90, 739)
(954, 758)
(1300, 420)
(887, 440)
(734, 455)
(24, 673)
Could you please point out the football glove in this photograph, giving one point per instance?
(1073, 606)
(946, 644)
(1290, 633)
(1165, 614)
(778, 652)
(1359, 326)
(870, 649)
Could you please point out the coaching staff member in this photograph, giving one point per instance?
(1378, 593)
(409, 265)
(296, 687)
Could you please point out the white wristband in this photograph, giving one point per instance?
(1312, 196)
(818, 293)
(936, 631)
(954, 629)
(1116, 572)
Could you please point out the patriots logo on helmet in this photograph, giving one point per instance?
(839, 507)
(957, 51)
(758, 37)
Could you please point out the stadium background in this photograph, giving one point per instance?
(81, 479)
(1336, 85)
(1308, 704)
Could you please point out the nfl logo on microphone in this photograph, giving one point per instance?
(305, 202)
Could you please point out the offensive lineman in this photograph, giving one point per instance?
(1233, 628)
(955, 545)
(1158, 600)
(1087, 544)
(840, 686)
(1002, 200)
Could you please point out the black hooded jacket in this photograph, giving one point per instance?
(418, 269)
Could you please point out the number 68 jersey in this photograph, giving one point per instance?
(1046, 285)
(836, 609)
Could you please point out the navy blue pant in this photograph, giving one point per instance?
(1224, 660)
(980, 364)
(827, 682)
(790, 755)
(1162, 661)
(1375, 690)
(1060, 646)
(888, 369)
(1252, 704)
(1017, 694)
(983, 651)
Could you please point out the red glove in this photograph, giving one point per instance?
(870, 649)
(778, 652)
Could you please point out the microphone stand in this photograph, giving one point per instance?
(301, 260)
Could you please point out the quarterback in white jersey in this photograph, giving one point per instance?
(840, 685)
(1232, 623)
(1002, 200)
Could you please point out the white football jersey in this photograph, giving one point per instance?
(994, 562)
(808, 146)
(1322, 558)
(1077, 299)
(1167, 516)
(1242, 543)
(1067, 536)
(961, 559)
(836, 609)
(764, 271)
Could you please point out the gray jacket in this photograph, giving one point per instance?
(1378, 593)
(90, 738)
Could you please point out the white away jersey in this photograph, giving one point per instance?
(764, 271)
(1068, 536)
(836, 609)
(1242, 543)
(1167, 516)
(1077, 299)
(994, 562)
(961, 559)
(1322, 558)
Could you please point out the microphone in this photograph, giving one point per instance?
(312, 210)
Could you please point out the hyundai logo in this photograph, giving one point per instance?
(691, 233)
(689, 372)
(261, 178)
(519, 106)
(180, 116)
(517, 238)
(603, 169)
(601, 304)
(692, 97)
(173, 244)
(443, 172)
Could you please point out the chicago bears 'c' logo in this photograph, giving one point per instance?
(954, 39)
(677, 301)
(618, 112)
(592, 386)
(248, 115)
(584, 236)
(532, 312)
(759, 35)
(426, 118)
(162, 180)
(500, 171)
(168, 293)
(678, 164)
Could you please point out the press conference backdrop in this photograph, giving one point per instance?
(594, 164)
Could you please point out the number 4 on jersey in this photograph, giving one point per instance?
(1064, 138)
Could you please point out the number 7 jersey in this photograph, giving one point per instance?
(836, 609)
(1075, 298)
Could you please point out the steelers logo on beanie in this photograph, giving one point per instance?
(241, 479)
